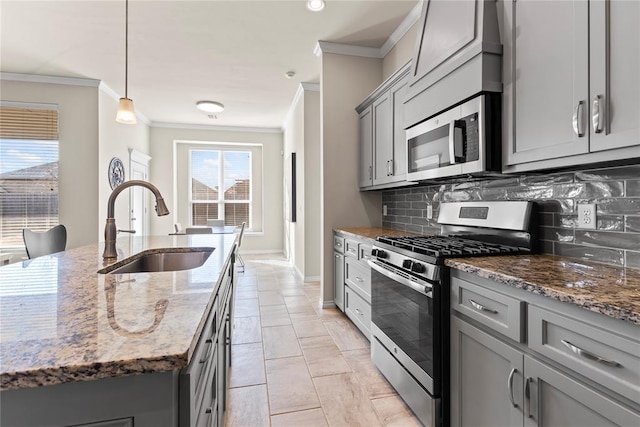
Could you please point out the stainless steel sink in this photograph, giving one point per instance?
(162, 261)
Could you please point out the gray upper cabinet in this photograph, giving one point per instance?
(365, 174)
(382, 135)
(571, 86)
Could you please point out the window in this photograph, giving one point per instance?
(28, 172)
(220, 186)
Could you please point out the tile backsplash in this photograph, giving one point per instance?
(615, 191)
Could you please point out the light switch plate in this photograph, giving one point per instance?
(587, 215)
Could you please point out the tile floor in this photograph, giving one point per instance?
(295, 364)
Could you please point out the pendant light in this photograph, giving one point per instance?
(126, 114)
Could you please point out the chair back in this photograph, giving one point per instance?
(49, 242)
(198, 230)
(178, 227)
(215, 223)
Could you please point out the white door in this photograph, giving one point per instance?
(139, 170)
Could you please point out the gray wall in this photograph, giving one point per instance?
(616, 191)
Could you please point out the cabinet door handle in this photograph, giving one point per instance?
(370, 172)
(527, 397)
(588, 355)
(597, 115)
(510, 387)
(578, 127)
(481, 307)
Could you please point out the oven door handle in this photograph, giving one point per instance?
(425, 289)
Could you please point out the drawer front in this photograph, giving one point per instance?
(209, 399)
(358, 310)
(351, 248)
(338, 244)
(606, 358)
(358, 278)
(364, 252)
(499, 312)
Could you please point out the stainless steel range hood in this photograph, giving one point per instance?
(458, 55)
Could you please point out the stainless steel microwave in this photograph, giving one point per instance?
(463, 140)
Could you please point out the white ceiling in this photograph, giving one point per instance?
(235, 52)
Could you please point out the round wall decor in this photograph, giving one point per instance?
(116, 172)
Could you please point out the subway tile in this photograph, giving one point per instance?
(501, 183)
(418, 205)
(622, 206)
(608, 239)
(567, 221)
(620, 172)
(545, 247)
(403, 219)
(461, 196)
(403, 191)
(414, 212)
(589, 190)
(556, 234)
(632, 223)
(612, 223)
(632, 189)
(419, 221)
(414, 228)
(590, 253)
(401, 205)
(529, 193)
(466, 186)
(632, 259)
(493, 193)
(415, 197)
(535, 180)
(397, 212)
(564, 206)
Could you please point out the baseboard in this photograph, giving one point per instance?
(305, 279)
(261, 251)
(311, 279)
(327, 304)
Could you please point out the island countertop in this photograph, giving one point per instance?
(61, 321)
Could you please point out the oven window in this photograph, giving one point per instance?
(406, 317)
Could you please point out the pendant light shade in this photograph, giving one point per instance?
(126, 113)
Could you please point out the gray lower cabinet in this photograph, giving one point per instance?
(338, 280)
(499, 378)
(570, 83)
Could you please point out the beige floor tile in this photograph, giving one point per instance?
(372, 380)
(244, 281)
(247, 330)
(267, 285)
(290, 386)
(330, 313)
(246, 293)
(247, 406)
(246, 308)
(308, 418)
(280, 341)
(344, 401)
(309, 328)
(298, 304)
(346, 335)
(274, 315)
(323, 357)
(248, 365)
(270, 298)
(291, 291)
(393, 412)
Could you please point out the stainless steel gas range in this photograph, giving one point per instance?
(410, 296)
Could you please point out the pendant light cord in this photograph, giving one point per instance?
(126, 49)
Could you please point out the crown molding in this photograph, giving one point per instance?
(214, 128)
(310, 86)
(36, 78)
(346, 49)
(402, 29)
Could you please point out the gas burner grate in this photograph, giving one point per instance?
(448, 246)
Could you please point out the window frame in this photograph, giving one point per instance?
(221, 202)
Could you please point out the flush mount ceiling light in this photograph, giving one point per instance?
(315, 5)
(126, 113)
(210, 106)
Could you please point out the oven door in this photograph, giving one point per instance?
(406, 315)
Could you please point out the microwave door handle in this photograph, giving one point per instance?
(456, 144)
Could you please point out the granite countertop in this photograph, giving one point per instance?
(372, 232)
(610, 290)
(64, 322)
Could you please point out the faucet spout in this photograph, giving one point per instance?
(110, 230)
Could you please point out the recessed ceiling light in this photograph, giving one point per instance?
(210, 106)
(290, 74)
(315, 5)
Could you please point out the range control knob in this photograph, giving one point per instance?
(378, 253)
(416, 267)
(407, 264)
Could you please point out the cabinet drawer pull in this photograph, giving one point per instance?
(597, 116)
(578, 127)
(588, 355)
(359, 279)
(481, 307)
(359, 312)
(510, 386)
(338, 244)
(527, 397)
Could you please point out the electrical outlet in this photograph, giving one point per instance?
(429, 211)
(587, 215)
(384, 210)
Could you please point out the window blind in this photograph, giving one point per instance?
(28, 173)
